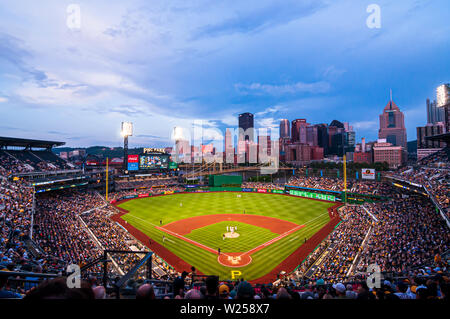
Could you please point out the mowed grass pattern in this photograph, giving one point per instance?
(250, 236)
(146, 213)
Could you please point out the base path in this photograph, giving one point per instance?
(287, 265)
(185, 226)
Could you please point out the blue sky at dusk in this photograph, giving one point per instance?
(161, 64)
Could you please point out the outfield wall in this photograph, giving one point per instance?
(224, 180)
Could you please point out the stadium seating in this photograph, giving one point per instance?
(404, 236)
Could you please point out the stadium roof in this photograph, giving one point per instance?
(440, 137)
(12, 141)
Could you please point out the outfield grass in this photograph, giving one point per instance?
(146, 213)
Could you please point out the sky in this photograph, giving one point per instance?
(163, 63)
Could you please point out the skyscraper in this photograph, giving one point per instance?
(392, 125)
(322, 137)
(247, 126)
(284, 129)
(299, 130)
(229, 149)
(312, 135)
(443, 102)
(336, 138)
(434, 113)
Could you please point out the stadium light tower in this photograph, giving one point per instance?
(127, 130)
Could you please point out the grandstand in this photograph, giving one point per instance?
(26, 155)
(400, 223)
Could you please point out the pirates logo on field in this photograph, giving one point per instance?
(234, 260)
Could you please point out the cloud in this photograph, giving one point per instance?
(333, 73)
(365, 125)
(268, 123)
(3, 99)
(270, 89)
(269, 110)
(258, 16)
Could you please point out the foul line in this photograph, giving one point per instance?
(181, 237)
(215, 251)
(270, 242)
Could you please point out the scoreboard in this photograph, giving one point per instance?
(149, 161)
(153, 161)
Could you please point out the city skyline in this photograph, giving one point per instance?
(151, 65)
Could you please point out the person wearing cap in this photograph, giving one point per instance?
(350, 294)
(224, 292)
(340, 291)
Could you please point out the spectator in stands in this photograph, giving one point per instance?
(245, 291)
(58, 289)
(5, 293)
(224, 292)
(212, 283)
(145, 292)
(179, 284)
(193, 294)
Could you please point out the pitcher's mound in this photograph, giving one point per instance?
(234, 259)
(231, 235)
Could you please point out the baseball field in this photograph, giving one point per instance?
(229, 234)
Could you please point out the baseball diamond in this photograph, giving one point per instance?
(275, 234)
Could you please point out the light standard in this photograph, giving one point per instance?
(127, 130)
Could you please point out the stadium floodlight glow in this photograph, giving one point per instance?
(127, 129)
(442, 95)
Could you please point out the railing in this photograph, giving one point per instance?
(162, 288)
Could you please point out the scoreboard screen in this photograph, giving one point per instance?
(153, 161)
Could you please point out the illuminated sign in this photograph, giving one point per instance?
(368, 173)
(133, 162)
(153, 161)
(312, 195)
(154, 150)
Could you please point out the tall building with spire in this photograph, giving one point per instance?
(392, 125)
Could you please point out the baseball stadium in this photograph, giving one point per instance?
(166, 230)
(219, 158)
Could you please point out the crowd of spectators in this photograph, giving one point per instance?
(337, 184)
(59, 232)
(409, 234)
(343, 243)
(16, 202)
(404, 236)
(435, 178)
(437, 159)
(432, 286)
(113, 237)
(10, 164)
(154, 191)
(262, 185)
(144, 183)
